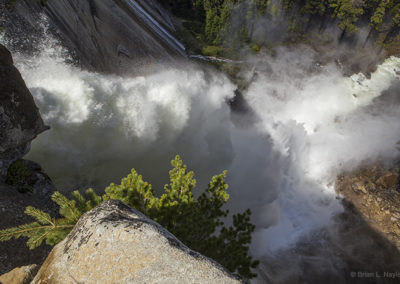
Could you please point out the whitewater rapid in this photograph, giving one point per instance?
(309, 127)
(324, 124)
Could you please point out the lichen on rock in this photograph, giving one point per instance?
(114, 243)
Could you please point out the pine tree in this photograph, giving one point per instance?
(348, 13)
(197, 222)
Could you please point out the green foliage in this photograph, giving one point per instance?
(211, 50)
(231, 23)
(395, 14)
(45, 228)
(68, 207)
(348, 13)
(194, 221)
(197, 222)
(213, 25)
(256, 48)
(314, 7)
(378, 15)
(134, 192)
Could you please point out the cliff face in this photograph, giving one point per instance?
(20, 120)
(115, 36)
(114, 243)
(375, 192)
(20, 123)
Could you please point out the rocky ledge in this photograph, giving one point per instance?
(20, 121)
(20, 275)
(26, 184)
(114, 243)
(375, 192)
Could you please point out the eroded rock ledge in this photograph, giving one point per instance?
(114, 243)
(375, 193)
(20, 121)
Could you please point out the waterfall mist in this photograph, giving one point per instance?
(321, 123)
(311, 123)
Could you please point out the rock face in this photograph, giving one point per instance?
(15, 253)
(375, 192)
(114, 243)
(105, 35)
(20, 121)
(20, 275)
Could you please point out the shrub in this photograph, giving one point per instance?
(211, 50)
(256, 48)
(197, 222)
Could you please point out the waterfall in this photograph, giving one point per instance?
(309, 126)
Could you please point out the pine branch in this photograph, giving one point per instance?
(37, 233)
(35, 242)
(67, 207)
(94, 199)
(42, 217)
(80, 201)
(16, 232)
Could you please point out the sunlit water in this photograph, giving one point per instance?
(311, 125)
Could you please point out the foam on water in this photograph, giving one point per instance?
(312, 125)
(323, 123)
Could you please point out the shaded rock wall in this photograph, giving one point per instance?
(20, 121)
(15, 253)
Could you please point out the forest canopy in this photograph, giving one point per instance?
(226, 22)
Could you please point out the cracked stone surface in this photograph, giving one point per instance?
(114, 243)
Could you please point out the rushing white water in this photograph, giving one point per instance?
(311, 125)
(323, 123)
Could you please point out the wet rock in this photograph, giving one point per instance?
(20, 121)
(114, 243)
(103, 35)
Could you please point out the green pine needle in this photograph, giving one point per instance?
(197, 222)
(42, 217)
(67, 207)
(16, 232)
